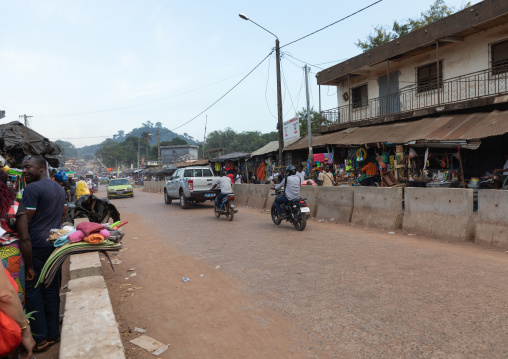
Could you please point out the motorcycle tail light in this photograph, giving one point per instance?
(191, 185)
(231, 198)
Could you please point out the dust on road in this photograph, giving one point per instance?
(332, 291)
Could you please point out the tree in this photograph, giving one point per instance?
(67, 148)
(316, 120)
(382, 35)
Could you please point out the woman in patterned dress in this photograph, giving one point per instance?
(15, 246)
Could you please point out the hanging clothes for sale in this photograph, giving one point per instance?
(230, 166)
(260, 172)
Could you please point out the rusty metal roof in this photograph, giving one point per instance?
(460, 127)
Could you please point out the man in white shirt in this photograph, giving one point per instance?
(224, 183)
(292, 185)
(238, 178)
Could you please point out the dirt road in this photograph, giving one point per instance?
(333, 291)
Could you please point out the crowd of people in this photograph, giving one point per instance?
(25, 226)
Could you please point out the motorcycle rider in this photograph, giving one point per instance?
(61, 179)
(225, 188)
(291, 185)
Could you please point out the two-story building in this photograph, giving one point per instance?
(442, 86)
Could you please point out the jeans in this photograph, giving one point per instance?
(44, 301)
(278, 201)
(218, 199)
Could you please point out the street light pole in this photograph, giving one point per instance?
(279, 102)
(279, 91)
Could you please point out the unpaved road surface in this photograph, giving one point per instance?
(258, 290)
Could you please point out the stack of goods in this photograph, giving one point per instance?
(85, 237)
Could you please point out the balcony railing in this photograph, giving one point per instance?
(466, 87)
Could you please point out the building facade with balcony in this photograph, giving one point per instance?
(456, 65)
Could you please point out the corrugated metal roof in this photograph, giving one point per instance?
(444, 128)
(272, 147)
(235, 156)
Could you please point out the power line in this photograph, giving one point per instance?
(287, 87)
(266, 88)
(206, 109)
(333, 23)
(142, 103)
(304, 62)
(231, 89)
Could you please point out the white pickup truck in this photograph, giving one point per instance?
(190, 184)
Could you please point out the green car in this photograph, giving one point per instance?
(104, 180)
(120, 188)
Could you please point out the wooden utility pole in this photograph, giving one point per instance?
(158, 149)
(25, 119)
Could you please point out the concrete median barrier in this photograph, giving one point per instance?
(440, 212)
(377, 207)
(258, 195)
(153, 186)
(334, 203)
(492, 225)
(242, 192)
(310, 193)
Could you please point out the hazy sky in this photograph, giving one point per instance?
(90, 68)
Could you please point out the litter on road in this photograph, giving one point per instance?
(185, 279)
(139, 330)
(147, 343)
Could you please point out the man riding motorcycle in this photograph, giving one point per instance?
(225, 188)
(291, 185)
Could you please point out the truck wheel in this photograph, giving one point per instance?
(183, 201)
(167, 199)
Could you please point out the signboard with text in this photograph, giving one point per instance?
(291, 129)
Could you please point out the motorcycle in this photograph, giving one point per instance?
(297, 212)
(95, 187)
(226, 207)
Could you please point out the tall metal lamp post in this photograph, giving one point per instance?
(279, 92)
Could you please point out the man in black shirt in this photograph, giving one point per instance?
(44, 200)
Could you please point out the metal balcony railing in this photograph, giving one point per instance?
(479, 84)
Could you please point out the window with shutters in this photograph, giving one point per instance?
(499, 57)
(360, 97)
(426, 76)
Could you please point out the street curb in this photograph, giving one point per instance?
(89, 328)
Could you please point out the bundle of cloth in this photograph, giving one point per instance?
(90, 232)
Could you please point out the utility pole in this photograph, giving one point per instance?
(158, 149)
(25, 119)
(204, 136)
(139, 149)
(279, 102)
(309, 125)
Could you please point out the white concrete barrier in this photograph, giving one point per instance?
(258, 195)
(89, 329)
(492, 225)
(242, 192)
(377, 207)
(440, 212)
(153, 186)
(311, 195)
(335, 203)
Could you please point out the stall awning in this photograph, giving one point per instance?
(466, 130)
(235, 156)
(272, 147)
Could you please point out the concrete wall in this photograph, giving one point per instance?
(258, 195)
(492, 225)
(378, 207)
(241, 194)
(153, 186)
(310, 193)
(335, 203)
(440, 212)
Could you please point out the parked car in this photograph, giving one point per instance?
(119, 188)
(190, 185)
(104, 180)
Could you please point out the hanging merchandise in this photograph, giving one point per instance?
(217, 166)
(319, 157)
(412, 153)
(230, 166)
(361, 154)
(348, 165)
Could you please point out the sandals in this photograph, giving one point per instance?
(44, 345)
